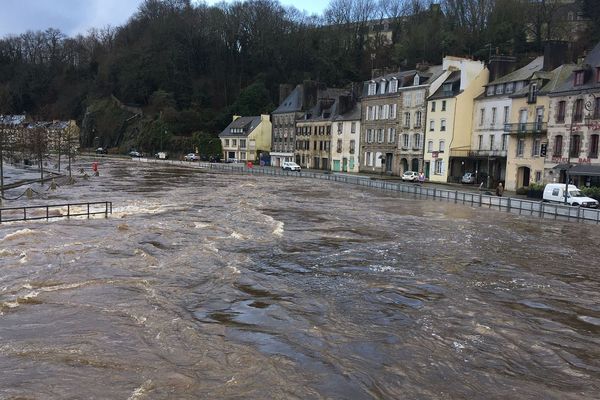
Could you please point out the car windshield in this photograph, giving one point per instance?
(576, 193)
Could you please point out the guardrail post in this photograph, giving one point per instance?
(455, 196)
(88, 210)
(508, 206)
(47, 213)
(24, 214)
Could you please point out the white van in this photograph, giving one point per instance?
(555, 192)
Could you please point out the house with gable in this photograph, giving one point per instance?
(486, 153)
(292, 106)
(574, 126)
(393, 108)
(346, 137)
(245, 138)
(449, 117)
(528, 127)
(314, 130)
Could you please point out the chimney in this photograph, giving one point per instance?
(422, 66)
(345, 103)
(500, 65)
(309, 94)
(284, 91)
(555, 54)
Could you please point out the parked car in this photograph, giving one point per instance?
(134, 153)
(468, 177)
(555, 192)
(101, 150)
(410, 176)
(191, 157)
(290, 166)
(161, 155)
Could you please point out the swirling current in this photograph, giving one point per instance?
(206, 285)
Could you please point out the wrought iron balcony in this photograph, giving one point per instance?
(465, 153)
(522, 128)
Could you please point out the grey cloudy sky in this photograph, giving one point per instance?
(78, 16)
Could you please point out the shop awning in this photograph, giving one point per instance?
(580, 169)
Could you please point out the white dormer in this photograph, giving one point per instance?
(382, 86)
(393, 85)
(372, 88)
(416, 80)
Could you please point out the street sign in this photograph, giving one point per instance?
(543, 149)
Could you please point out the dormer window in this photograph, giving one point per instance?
(393, 85)
(372, 88)
(416, 80)
(532, 98)
(579, 75)
(489, 91)
(499, 89)
(447, 88)
(510, 87)
(382, 86)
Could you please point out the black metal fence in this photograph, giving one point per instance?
(514, 205)
(46, 212)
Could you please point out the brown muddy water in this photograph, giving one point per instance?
(217, 286)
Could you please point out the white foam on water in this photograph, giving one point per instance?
(201, 225)
(18, 234)
(278, 231)
(237, 235)
(141, 391)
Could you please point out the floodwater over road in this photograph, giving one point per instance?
(220, 286)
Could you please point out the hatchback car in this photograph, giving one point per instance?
(134, 154)
(410, 176)
(191, 157)
(101, 150)
(290, 166)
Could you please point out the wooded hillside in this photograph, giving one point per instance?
(190, 67)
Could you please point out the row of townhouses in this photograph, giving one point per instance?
(536, 124)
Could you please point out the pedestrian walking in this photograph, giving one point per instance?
(421, 178)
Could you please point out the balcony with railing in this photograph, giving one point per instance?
(465, 153)
(522, 128)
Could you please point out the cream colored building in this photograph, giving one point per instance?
(246, 137)
(528, 128)
(346, 141)
(449, 116)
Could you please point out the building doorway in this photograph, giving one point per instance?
(523, 177)
(344, 164)
(388, 162)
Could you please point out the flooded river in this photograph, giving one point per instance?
(207, 285)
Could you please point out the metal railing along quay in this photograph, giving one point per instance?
(538, 209)
(49, 211)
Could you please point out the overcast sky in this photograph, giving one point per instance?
(78, 16)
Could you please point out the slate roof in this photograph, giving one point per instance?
(522, 74)
(589, 65)
(327, 105)
(454, 79)
(292, 103)
(353, 114)
(248, 124)
(550, 80)
(405, 78)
